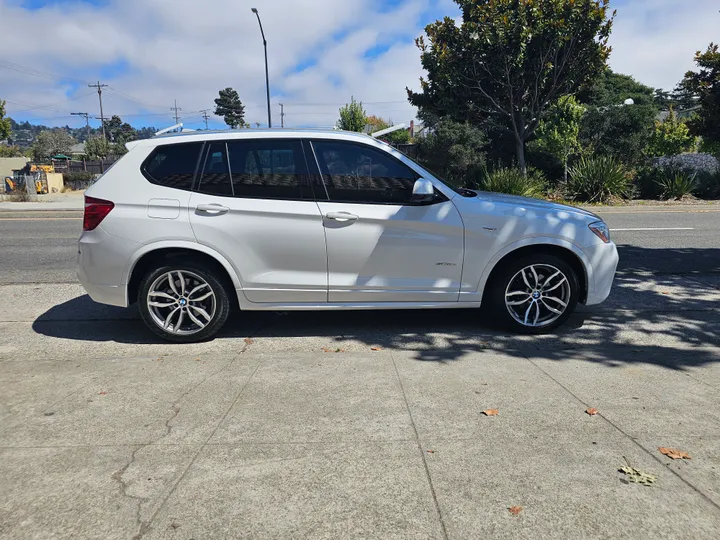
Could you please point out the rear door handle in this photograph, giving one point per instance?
(213, 209)
(341, 216)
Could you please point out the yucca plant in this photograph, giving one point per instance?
(597, 180)
(676, 183)
(512, 182)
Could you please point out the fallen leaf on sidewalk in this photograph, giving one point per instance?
(638, 477)
(491, 412)
(248, 341)
(592, 411)
(515, 510)
(333, 350)
(673, 453)
(430, 451)
(376, 348)
(102, 393)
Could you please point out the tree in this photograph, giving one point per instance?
(610, 127)
(352, 117)
(118, 131)
(510, 60)
(229, 106)
(51, 143)
(455, 152)
(97, 147)
(375, 123)
(5, 126)
(559, 133)
(10, 151)
(671, 137)
(704, 87)
(401, 136)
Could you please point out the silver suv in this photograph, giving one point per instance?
(191, 226)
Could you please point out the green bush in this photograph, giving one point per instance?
(708, 184)
(598, 180)
(512, 182)
(676, 183)
(78, 180)
(647, 182)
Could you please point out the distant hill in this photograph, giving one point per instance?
(23, 134)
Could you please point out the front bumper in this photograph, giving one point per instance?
(603, 260)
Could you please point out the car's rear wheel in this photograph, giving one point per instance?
(184, 303)
(534, 293)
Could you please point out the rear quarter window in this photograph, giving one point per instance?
(173, 165)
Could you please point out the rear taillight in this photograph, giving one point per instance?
(95, 212)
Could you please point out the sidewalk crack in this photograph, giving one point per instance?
(421, 450)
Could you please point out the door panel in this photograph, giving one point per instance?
(393, 253)
(255, 206)
(277, 247)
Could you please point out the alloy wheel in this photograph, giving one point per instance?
(538, 295)
(181, 302)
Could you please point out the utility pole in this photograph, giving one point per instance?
(102, 116)
(205, 116)
(176, 109)
(87, 121)
(282, 115)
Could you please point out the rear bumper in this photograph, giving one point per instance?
(102, 259)
(603, 262)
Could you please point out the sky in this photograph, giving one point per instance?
(320, 53)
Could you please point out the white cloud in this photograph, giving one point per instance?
(655, 40)
(189, 49)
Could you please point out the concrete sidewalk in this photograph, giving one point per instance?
(51, 202)
(292, 426)
(354, 445)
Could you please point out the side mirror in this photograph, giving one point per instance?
(423, 191)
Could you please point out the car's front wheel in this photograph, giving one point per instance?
(183, 302)
(534, 293)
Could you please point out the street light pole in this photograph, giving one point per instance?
(267, 76)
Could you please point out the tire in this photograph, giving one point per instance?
(557, 284)
(205, 302)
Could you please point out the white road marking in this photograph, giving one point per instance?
(655, 229)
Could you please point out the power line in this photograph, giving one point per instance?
(306, 104)
(35, 107)
(37, 72)
(136, 100)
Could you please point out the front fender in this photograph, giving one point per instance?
(537, 241)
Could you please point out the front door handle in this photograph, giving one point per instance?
(213, 209)
(341, 216)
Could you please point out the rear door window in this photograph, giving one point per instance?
(173, 165)
(215, 179)
(268, 169)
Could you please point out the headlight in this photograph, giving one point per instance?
(601, 230)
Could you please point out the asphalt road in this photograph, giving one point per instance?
(40, 247)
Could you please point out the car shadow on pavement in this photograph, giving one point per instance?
(661, 318)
